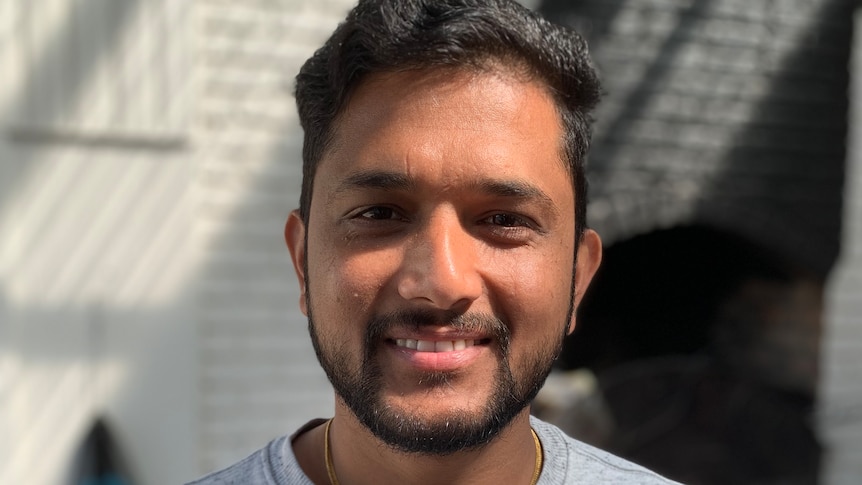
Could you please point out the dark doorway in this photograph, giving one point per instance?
(704, 347)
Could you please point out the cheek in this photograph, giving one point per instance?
(542, 276)
(535, 293)
(345, 286)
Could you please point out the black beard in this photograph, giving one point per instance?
(361, 390)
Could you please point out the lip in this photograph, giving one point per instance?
(435, 333)
(439, 360)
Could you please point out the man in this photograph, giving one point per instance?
(441, 247)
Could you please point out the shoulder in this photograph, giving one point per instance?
(570, 461)
(274, 464)
(255, 469)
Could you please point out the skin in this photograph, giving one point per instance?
(445, 239)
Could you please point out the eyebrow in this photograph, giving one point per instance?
(513, 188)
(386, 180)
(375, 179)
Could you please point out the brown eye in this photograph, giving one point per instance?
(379, 213)
(506, 220)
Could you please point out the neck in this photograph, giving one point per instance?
(360, 458)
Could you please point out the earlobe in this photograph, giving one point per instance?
(589, 258)
(294, 236)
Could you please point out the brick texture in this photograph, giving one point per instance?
(722, 112)
(259, 378)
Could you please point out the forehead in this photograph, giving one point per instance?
(481, 91)
(449, 123)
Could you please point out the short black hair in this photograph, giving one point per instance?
(399, 35)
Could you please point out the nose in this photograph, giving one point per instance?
(440, 265)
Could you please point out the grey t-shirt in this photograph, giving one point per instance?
(566, 461)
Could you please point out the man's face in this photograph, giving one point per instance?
(437, 265)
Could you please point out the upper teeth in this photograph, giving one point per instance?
(434, 345)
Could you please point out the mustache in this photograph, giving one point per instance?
(484, 323)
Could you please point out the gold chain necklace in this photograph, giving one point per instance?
(330, 468)
(333, 480)
(537, 470)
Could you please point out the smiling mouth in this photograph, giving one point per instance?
(438, 345)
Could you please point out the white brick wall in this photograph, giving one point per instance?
(259, 377)
(143, 273)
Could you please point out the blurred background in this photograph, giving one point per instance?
(150, 153)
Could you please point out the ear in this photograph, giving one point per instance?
(589, 258)
(294, 236)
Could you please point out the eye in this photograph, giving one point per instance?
(507, 220)
(508, 229)
(379, 213)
